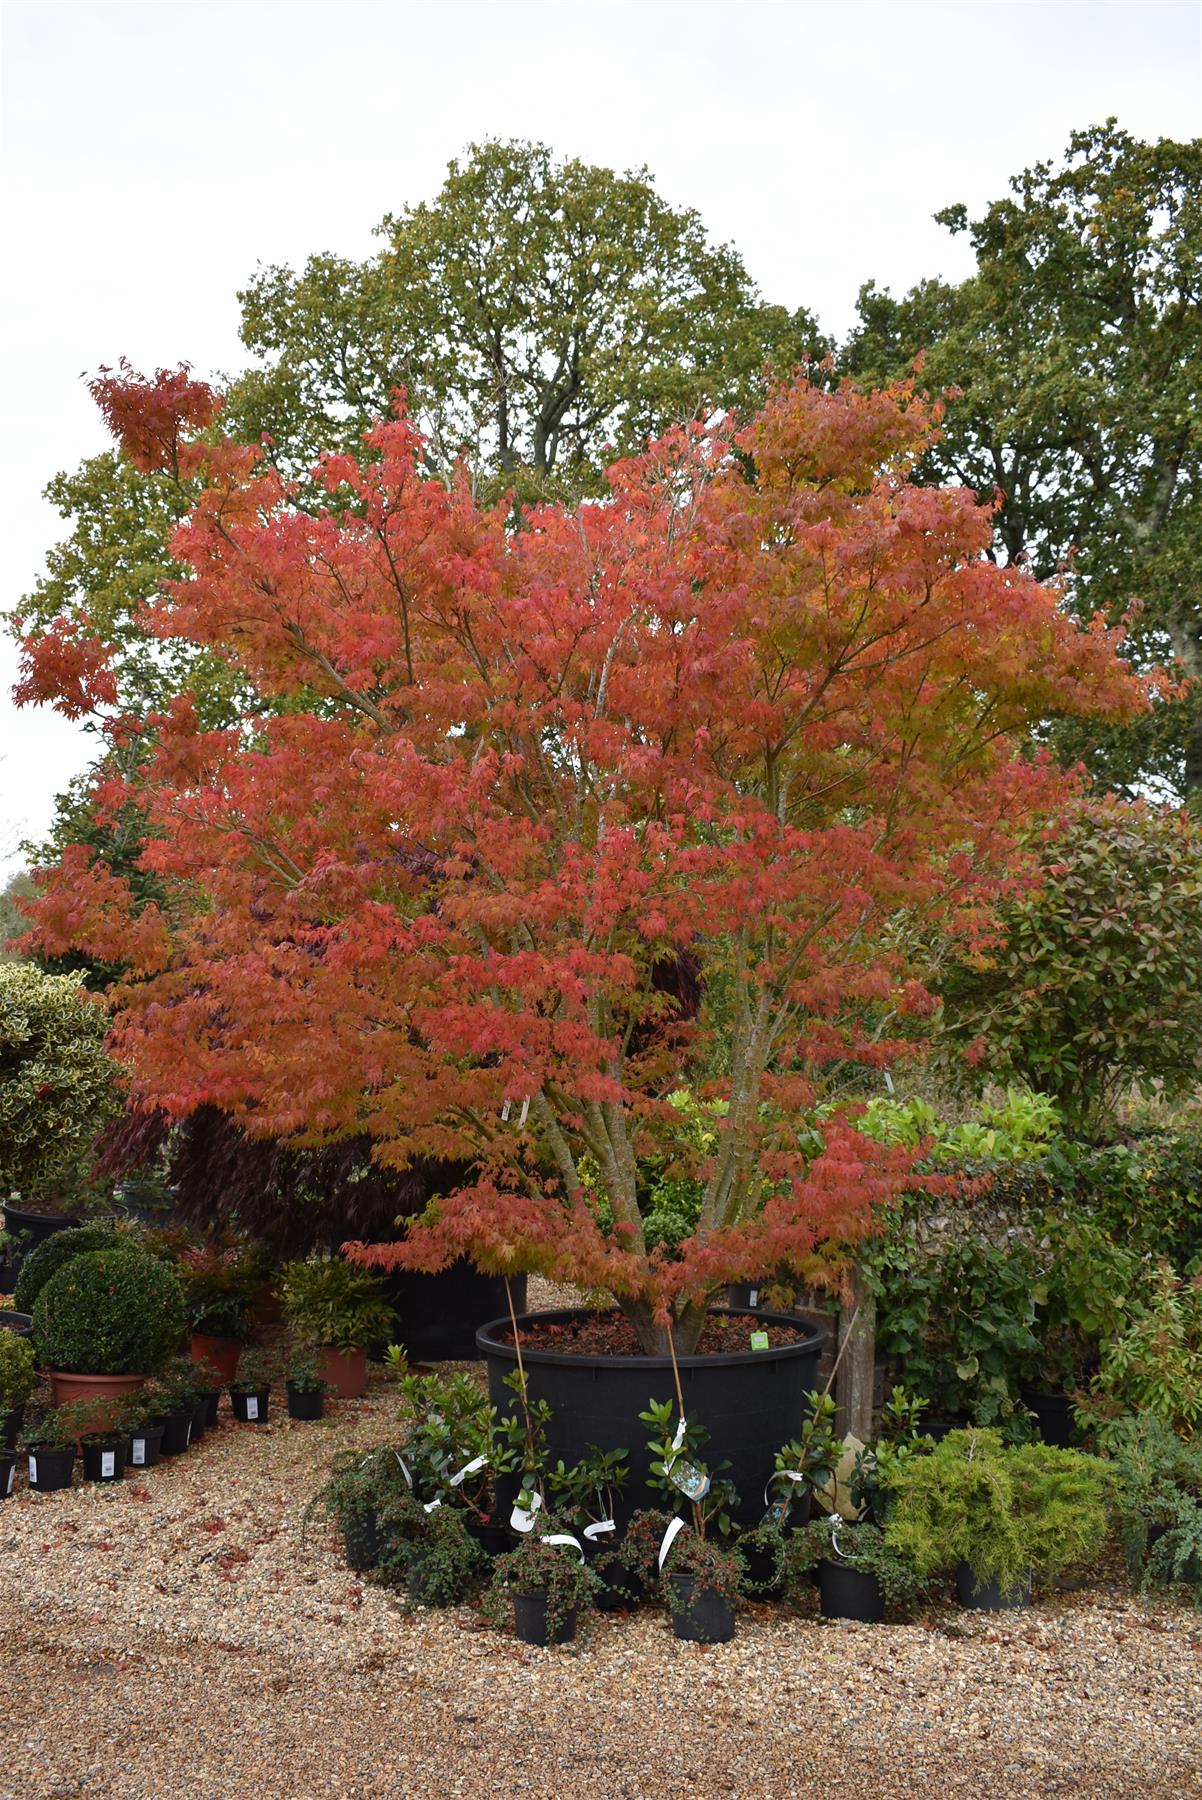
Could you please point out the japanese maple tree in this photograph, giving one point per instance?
(754, 717)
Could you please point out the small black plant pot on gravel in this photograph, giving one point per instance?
(530, 1621)
(989, 1596)
(177, 1432)
(8, 1471)
(846, 1593)
(104, 1460)
(305, 1403)
(200, 1418)
(699, 1614)
(50, 1470)
(250, 1409)
(145, 1447)
(361, 1537)
(212, 1400)
(10, 1427)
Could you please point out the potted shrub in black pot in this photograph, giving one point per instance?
(544, 1586)
(250, 1391)
(208, 1383)
(144, 1428)
(429, 1553)
(103, 1438)
(702, 1584)
(997, 1516)
(173, 1401)
(305, 1386)
(18, 1364)
(860, 1575)
(1157, 1499)
(51, 1446)
(358, 1485)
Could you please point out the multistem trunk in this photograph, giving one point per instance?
(654, 1338)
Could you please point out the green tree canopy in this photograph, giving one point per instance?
(1077, 347)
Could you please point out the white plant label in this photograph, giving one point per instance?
(12, 1470)
(108, 1464)
(252, 1409)
(600, 1529)
(754, 1297)
(522, 1517)
(33, 1470)
(188, 1433)
(430, 1505)
(670, 1536)
(137, 1452)
(564, 1537)
(678, 1440)
(469, 1468)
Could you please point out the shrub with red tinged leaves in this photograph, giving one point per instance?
(757, 714)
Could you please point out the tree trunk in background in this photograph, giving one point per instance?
(857, 1362)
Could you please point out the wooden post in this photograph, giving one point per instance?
(857, 1362)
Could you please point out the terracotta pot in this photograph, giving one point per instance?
(65, 1389)
(345, 1370)
(222, 1352)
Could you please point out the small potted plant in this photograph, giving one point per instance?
(545, 1585)
(357, 1487)
(305, 1385)
(341, 1308)
(250, 1391)
(172, 1399)
(208, 1382)
(860, 1574)
(702, 1584)
(1157, 1499)
(101, 1430)
(144, 1428)
(17, 1365)
(430, 1552)
(456, 1449)
(997, 1515)
(106, 1322)
(585, 1496)
(51, 1445)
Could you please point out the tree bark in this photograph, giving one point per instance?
(857, 1366)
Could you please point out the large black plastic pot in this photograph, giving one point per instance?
(846, 1593)
(439, 1316)
(750, 1401)
(8, 1470)
(34, 1227)
(19, 1322)
(10, 1427)
(988, 1596)
(699, 1614)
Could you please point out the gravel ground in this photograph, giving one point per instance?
(172, 1635)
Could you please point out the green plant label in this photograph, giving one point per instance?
(759, 1340)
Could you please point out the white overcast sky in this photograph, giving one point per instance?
(154, 152)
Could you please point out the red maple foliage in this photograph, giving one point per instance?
(759, 710)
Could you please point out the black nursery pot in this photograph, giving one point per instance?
(530, 1621)
(493, 1537)
(212, 1400)
(699, 1614)
(105, 1460)
(177, 1432)
(50, 1470)
(750, 1401)
(10, 1427)
(250, 1409)
(8, 1471)
(621, 1585)
(305, 1403)
(362, 1539)
(847, 1593)
(145, 1447)
(1053, 1416)
(987, 1596)
(200, 1418)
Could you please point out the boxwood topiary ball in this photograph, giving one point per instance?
(109, 1312)
(49, 1258)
